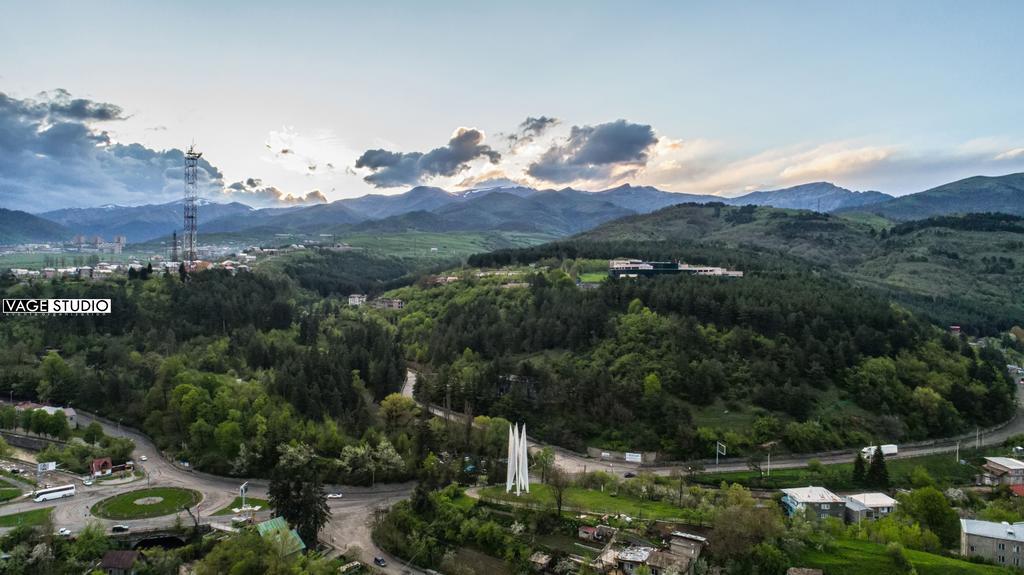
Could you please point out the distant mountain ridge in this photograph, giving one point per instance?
(139, 223)
(817, 196)
(977, 194)
(518, 208)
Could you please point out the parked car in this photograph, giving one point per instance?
(119, 529)
(629, 475)
(87, 482)
(64, 532)
(380, 562)
(144, 458)
(334, 495)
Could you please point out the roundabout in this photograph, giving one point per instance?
(146, 503)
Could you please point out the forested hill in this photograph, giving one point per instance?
(964, 270)
(675, 363)
(20, 227)
(1004, 194)
(219, 370)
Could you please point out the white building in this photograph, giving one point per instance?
(356, 299)
(821, 500)
(868, 506)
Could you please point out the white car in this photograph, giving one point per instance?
(64, 532)
(143, 458)
(334, 495)
(87, 482)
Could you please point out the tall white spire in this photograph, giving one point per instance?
(518, 473)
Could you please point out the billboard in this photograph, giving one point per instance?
(634, 457)
(46, 466)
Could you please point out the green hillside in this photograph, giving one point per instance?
(977, 194)
(963, 270)
(22, 227)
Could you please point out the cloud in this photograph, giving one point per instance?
(1013, 154)
(706, 167)
(311, 154)
(390, 169)
(610, 151)
(251, 191)
(529, 130)
(52, 155)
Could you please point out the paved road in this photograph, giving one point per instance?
(576, 463)
(351, 516)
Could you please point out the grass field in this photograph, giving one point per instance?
(852, 557)
(942, 468)
(33, 517)
(593, 277)
(589, 500)
(124, 506)
(238, 503)
(8, 493)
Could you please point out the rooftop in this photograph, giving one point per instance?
(119, 559)
(683, 535)
(812, 494)
(1007, 462)
(635, 554)
(872, 500)
(993, 530)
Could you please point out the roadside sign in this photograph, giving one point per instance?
(634, 457)
(46, 466)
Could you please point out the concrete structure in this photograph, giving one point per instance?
(1002, 471)
(356, 299)
(823, 502)
(518, 473)
(388, 303)
(632, 268)
(1000, 543)
(868, 506)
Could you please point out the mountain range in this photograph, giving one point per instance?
(516, 208)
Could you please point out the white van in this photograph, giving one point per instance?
(887, 450)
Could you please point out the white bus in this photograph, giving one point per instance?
(53, 493)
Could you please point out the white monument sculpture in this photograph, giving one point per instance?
(518, 467)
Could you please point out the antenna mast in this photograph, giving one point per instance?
(191, 195)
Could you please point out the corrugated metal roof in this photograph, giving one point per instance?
(993, 530)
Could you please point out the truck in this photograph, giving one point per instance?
(887, 450)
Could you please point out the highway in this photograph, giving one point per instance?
(577, 463)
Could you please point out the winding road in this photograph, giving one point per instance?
(349, 526)
(577, 463)
(351, 519)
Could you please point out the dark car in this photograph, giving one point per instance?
(380, 562)
(119, 529)
(629, 475)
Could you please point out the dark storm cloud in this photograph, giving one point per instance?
(409, 168)
(54, 157)
(594, 152)
(251, 191)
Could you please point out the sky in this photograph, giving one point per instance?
(298, 102)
